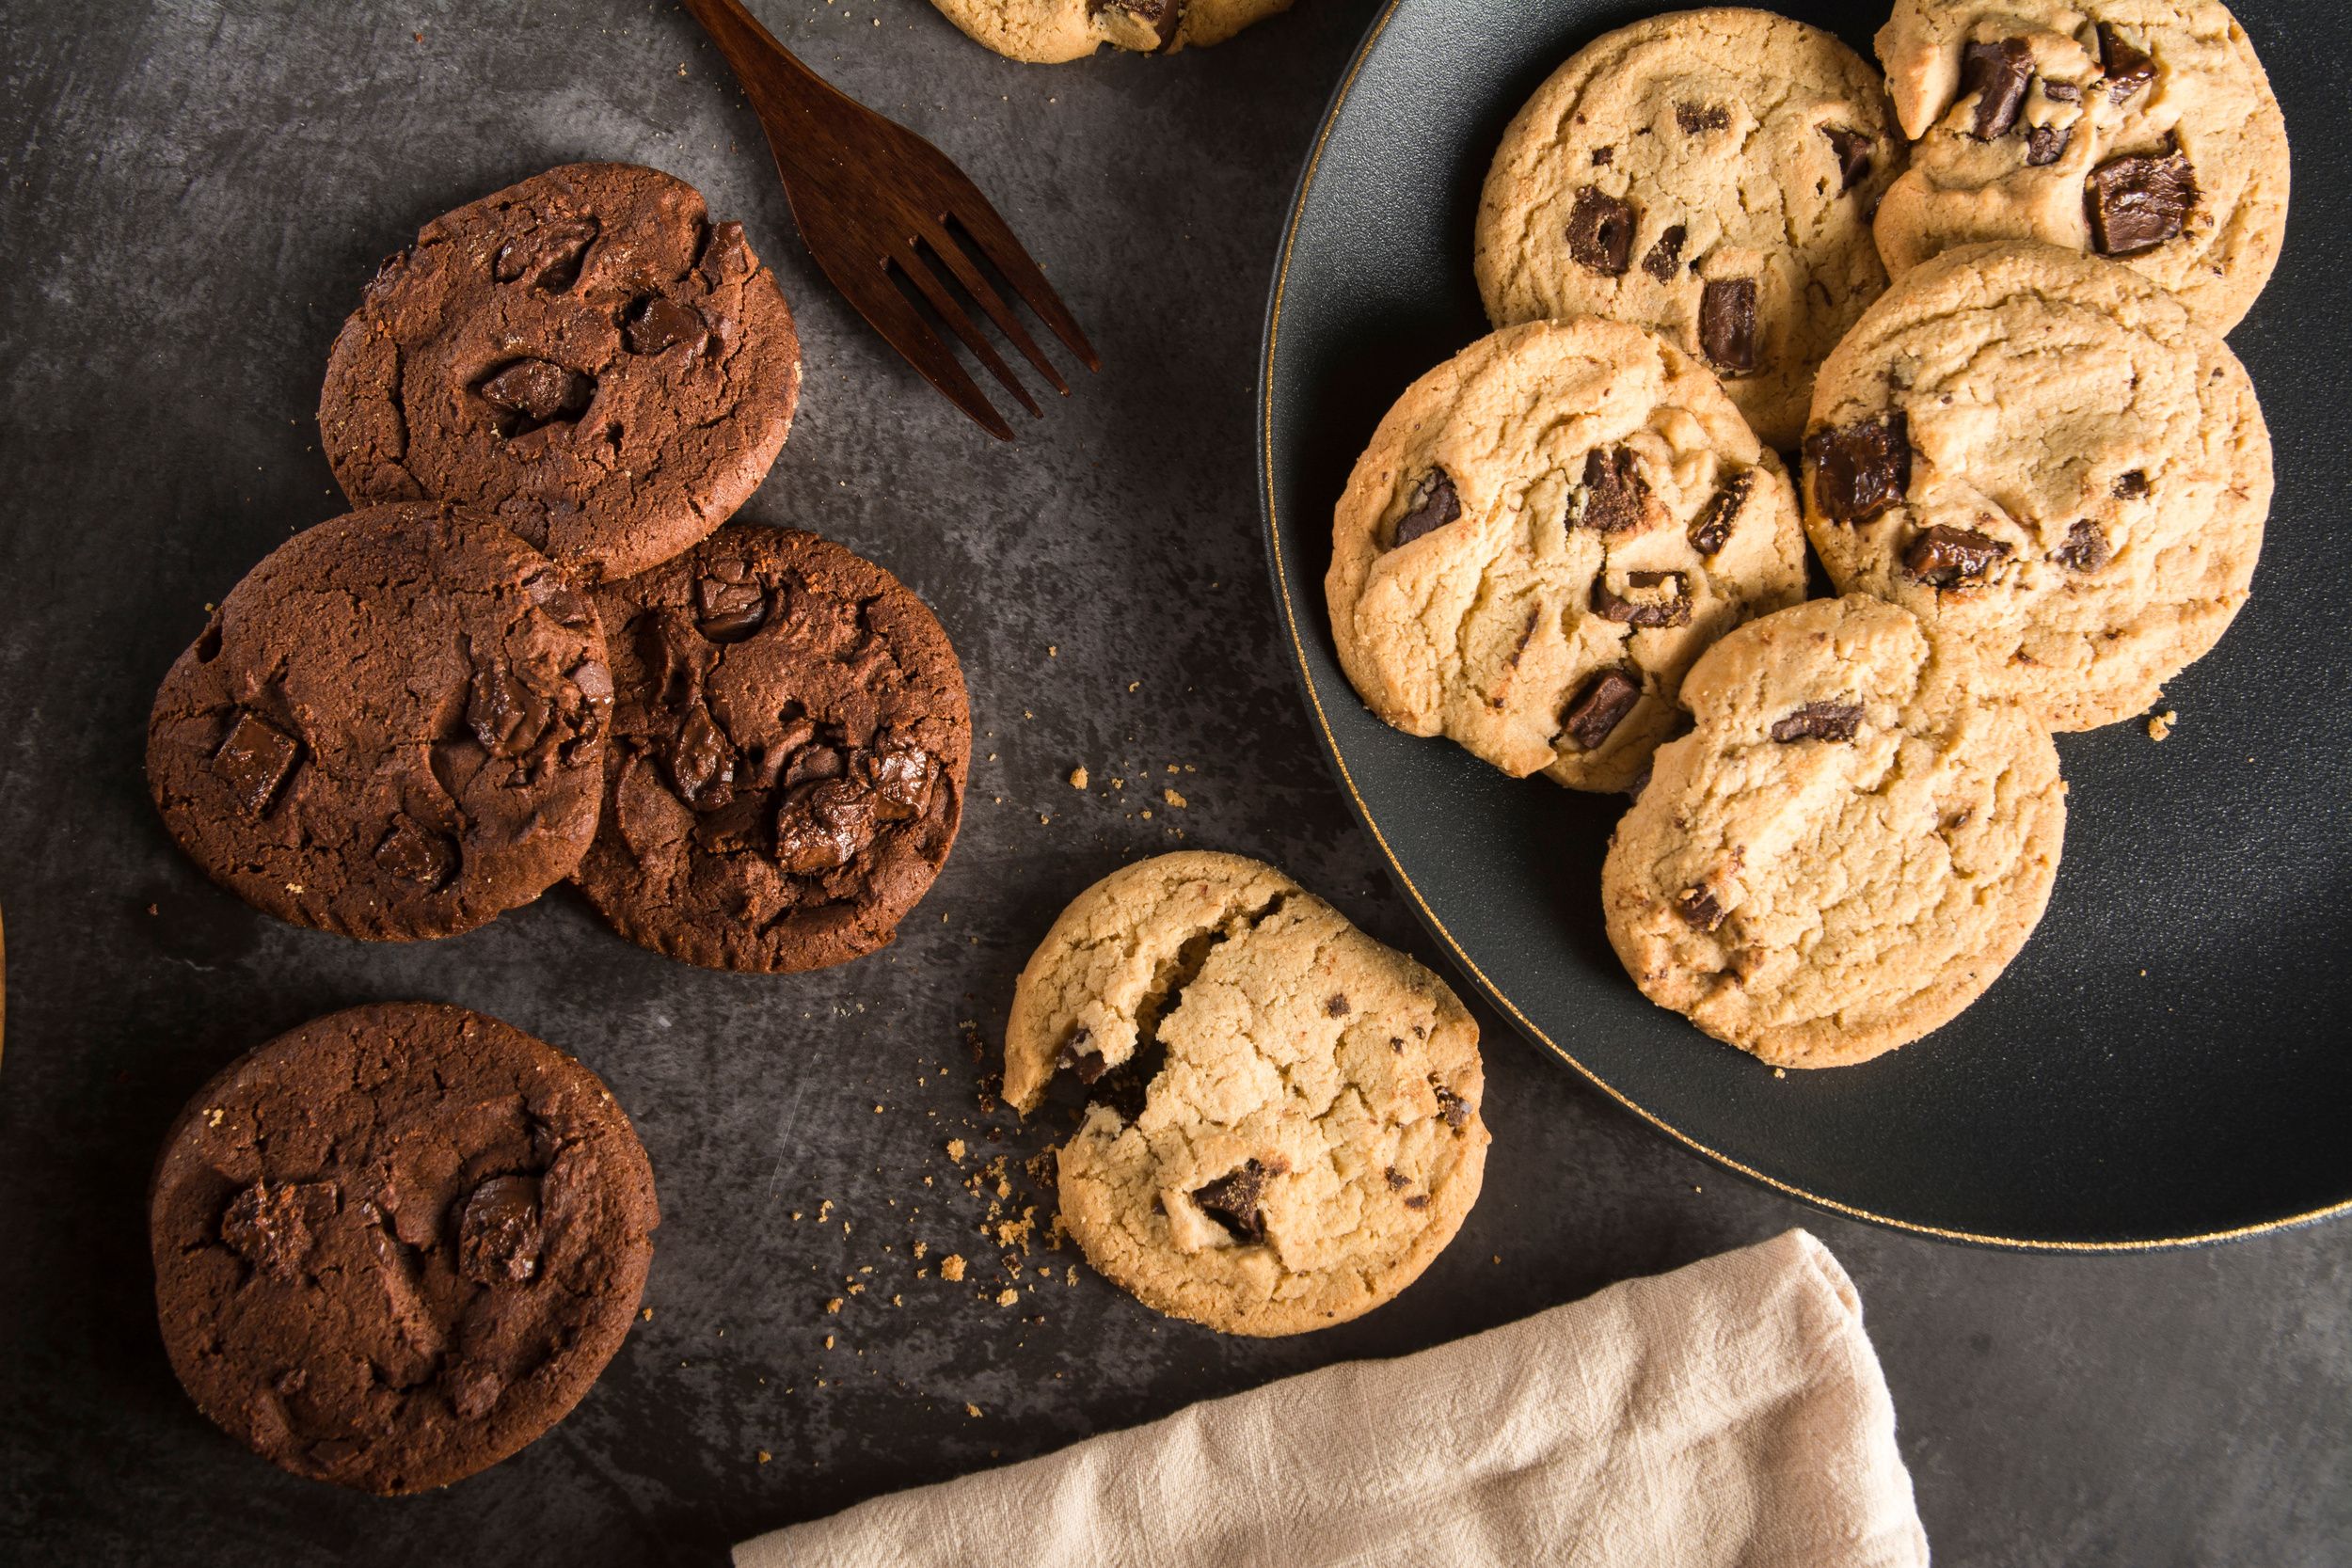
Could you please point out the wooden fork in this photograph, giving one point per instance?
(870, 196)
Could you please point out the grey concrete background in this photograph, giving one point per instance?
(194, 195)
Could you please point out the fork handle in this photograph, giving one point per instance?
(772, 77)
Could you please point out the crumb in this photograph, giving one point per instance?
(1077, 778)
(1008, 1298)
(646, 1314)
(796, 1213)
(897, 1301)
(833, 1306)
(1043, 819)
(1780, 1072)
(829, 1341)
(1074, 1276)
(878, 1110)
(2160, 724)
(1131, 685)
(955, 1148)
(1119, 784)
(765, 1456)
(1146, 813)
(1052, 651)
(822, 1209)
(951, 1266)
(972, 1410)
(1172, 798)
(919, 1249)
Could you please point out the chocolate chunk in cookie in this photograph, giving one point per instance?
(1615, 499)
(1599, 707)
(1727, 323)
(2136, 203)
(1712, 531)
(1600, 232)
(1852, 148)
(2126, 67)
(1999, 75)
(1861, 470)
(1949, 556)
(1820, 721)
(1665, 253)
(2086, 549)
(1652, 599)
(1434, 505)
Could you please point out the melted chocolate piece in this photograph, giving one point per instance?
(1713, 529)
(417, 854)
(1161, 16)
(822, 826)
(1854, 154)
(1451, 1106)
(1600, 232)
(2136, 203)
(1947, 557)
(270, 1226)
(1616, 497)
(1820, 721)
(1727, 323)
(498, 1232)
(815, 762)
(900, 773)
(1670, 611)
(2086, 549)
(1088, 1065)
(726, 256)
(730, 612)
(1699, 909)
(2128, 68)
(504, 713)
(2132, 485)
(1435, 504)
(1397, 1183)
(1598, 710)
(549, 257)
(661, 323)
(1336, 1005)
(565, 606)
(1604, 156)
(1999, 74)
(701, 761)
(1861, 470)
(2047, 144)
(1232, 1201)
(538, 391)
(1695, 118)
(254, 760)
(1667, 254)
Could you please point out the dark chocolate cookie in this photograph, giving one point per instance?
(391, 728)
(583, 353)
(788, 760)
(398, 1244)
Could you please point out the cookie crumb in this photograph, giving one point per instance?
(955, 1148)
(972, 1410)
(1079, 778)
(2160, 724)
(1008, 1298)
(646, 1314)
(920, 1247)
(765, 1456)
(1052, 651)
(1172, 799)
(829, 1341)
(833, 1306)
(1131, 685)
(951, 1266)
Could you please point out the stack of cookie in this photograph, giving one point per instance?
(2029, 461)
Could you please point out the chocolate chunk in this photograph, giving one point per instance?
(1861, 470)
(2047, 144)
(1435, 504)
(823, 826)
(1600, 232)
(499, 1233)
(1854, 154)
(673, 652)
(900, 774)
(1699, 909)
(1397, 1183)
(1820, 721)
(1999, 74)
(1598, 710)
(1232, 1201)
(2132, 485)
(661, 323)
(1727, 323)
(2086, 549)
(566, 605)
(1615, 496)
(504, 713)
(1336, 1006)
(270, 1228)
(1161, 16)
(417, 854)
(702, 763)
(815, 762)
(254, 760)
(538, 390)
(1713, 529)
(2139, 203)
(1945, 557)
(2128, 68)
(549, 257)
(1451, 1106)
(2061, 93)
(1604, 156)
(726, 256)
(1695, 118)
(1417, 1201)
(1672, 610)
(1665, 254)
(729, 611)
(1088, 1065)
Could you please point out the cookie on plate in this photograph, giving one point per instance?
(1287, 1130)
(1709, 174)
(1046, 32)
(398, 1244)
(1543, 534)
(392, 728)
(789, 753)
(583, 353)
(2040, 453)
(2141, 130)
(1847, 851)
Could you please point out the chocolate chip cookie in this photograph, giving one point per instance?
(1848, 848)
(1543, 534)
(1708, 174)
(1046, 32)
(1286, 1127)
(397, 1245)
(392, 728)
(789, 747)
(2040, 453)
(583, 353)
(2140, 130)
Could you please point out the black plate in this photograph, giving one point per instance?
(2168, 1061)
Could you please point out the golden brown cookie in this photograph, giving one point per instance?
(1047, 32)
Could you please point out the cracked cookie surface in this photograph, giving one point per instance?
(398, 1244)
(1543, 534)
(583, 353)
(1707, 174)
(2040, 453)
(1301, 1132)
(1848, 848)
(1047, 32)
(789, 747)
(392, 728)
(2142, 129)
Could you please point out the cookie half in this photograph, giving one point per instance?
(585, 354)
(397, 1245)
(1300, 1134)
(1847, 851)
(790, 742)
(2042, 455)
(1543, 534)
(1710, 175)
(2140, 130)
(1047, 32)
(392, 728)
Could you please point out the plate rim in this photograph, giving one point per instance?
(1270, 525)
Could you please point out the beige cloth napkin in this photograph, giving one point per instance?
(1731, 1412)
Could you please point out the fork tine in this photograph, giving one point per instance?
(979, 220)
(999, 312)
(961, 325)
(892, 314)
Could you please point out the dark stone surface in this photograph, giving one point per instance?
(196, 194)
